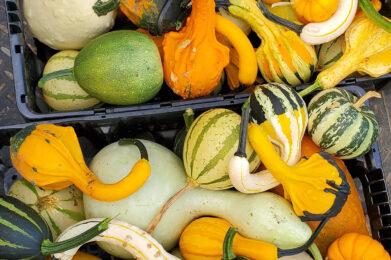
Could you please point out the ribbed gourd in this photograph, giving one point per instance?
(282, 56)
(340, 125)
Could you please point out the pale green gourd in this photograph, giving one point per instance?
(263, 216)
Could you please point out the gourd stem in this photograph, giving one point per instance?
(241, 152)
(228, 253)
(314, 250)
(188, 117)
(102, 7)
(314, 87)
(155, 221)
(288, 24)
(49, 248)
(140, 146)
(363, 99)
(374, 16)
(55, 75)
(298, 250)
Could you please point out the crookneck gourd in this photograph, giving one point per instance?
(282, 56)
(367, 50)
(50, 157)
(194, 59)
(324, 183)
(283, 114)
(215, 239)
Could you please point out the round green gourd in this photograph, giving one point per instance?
(264, 216)
(64, 94)
(60, 209)
(120, 68)
(340, 128)
(210, 144)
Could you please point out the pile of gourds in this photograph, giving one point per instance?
(265, 184)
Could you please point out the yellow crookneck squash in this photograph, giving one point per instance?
(216, 239)
(194, 59)
(353, 246)
(282, 56)
(50, 157)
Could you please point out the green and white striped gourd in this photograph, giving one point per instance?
(60, 209)
(282, 114)
(329, 52)
(64, 93)
(340, 125)
(209, 145)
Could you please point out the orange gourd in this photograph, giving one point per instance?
(314, 11)
(50, 157)
(354, 246)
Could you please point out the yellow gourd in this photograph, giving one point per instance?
(314, 11)
(50, 157)
(353, 246)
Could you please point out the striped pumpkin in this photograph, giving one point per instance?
(338, 127)
(209, 145)
(22, 230)
(64, 94)
(282, 112)
(60, 209)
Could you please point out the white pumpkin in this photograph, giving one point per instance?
(66, 24)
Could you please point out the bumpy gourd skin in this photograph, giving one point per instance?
(50, 157)
(310, 11)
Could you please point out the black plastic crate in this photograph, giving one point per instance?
(95, 133)
(28, 66)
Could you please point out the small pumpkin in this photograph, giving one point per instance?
(309, 11)
(356, 246)
(339, 123)
(50, 156)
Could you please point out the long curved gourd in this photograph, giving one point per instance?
(367, 50)
(214, 238)
(283, 114)
(282, 56)
(324, 182)
(50, 156)
(356, 246)
(131, 238)
(318, 33)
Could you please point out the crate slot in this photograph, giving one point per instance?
(11, 6)
(14, 29)
(385, 233)
(380, 198)
(13, 18)
(18, 48)
(385, 209)
(377, 187)
(375, 176)
(386, 220)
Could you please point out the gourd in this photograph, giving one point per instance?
(350, 219)
(24, 234)
(252, 218)
(134, 240)
(208, 168)
(68, 25)
(371, 11)
(329, 53)
(367, 50)
(315, 11)
(339, 123)
(209, 238)
(156, 16)
(321, 32)
(282, 56)
(356, 246)
(64, 94)
(50, 156)
(84, 256)
(283, 114)
(193, 58)
(60, 209)
(324, 182)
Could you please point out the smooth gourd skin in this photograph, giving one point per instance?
(120, 67)
(356, 246)
(254, 215)
(22, 230)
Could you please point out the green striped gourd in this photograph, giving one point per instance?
(64, 93)
(329, 52)
(25, 235)
(209, 145)
(60, 209)
(340, 125)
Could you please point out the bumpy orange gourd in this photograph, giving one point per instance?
(354, 246)
(314, 11)
(193, 58)
(204, 239)
(50, 157)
